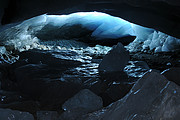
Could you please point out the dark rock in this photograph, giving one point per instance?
(42, 82)
(56, 94)
(64, 59)
(84, 99)
(47, 115)
(36, 69)
(115, 60)
(83, 102)
(8, 114)
(29, 106)
(172, 74)
(38, 74)
(7, 78)
(117, 91)
(114, 76)
(33, 79)
(8, 97)
(153, 97)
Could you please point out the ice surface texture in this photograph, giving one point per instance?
(101, 26)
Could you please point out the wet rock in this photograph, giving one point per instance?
(37, 65)
(63, 58)
(136, 69)
(8, 114)
(47, 115)
(85, 75)
(38, 74)
(83, 102)
(153, 97)
(115, 60)
(172, 74)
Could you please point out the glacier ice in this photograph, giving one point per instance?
(161, 42)
(102, 26)
(156, 41)
(141, 32)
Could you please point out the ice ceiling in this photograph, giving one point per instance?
(100, 26)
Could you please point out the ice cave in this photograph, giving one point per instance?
(89, 60)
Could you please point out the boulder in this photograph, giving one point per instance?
(47, 115)
(83, 102)
(153, 97)
(8, 114)
(172, 74)
(115, 60)
(84, 99)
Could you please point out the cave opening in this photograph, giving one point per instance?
(75, 64)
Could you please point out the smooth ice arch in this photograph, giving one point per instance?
(101, 25)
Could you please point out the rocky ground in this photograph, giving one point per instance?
(59, 83)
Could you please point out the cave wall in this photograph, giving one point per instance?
(163, 15)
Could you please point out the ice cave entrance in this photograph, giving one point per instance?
(86, 26)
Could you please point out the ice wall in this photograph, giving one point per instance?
(148, 39)
(102, 26)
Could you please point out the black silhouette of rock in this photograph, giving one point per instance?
(84, 99)
(153, 97)
(115, 60)
(83, 102)
(47, 115)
